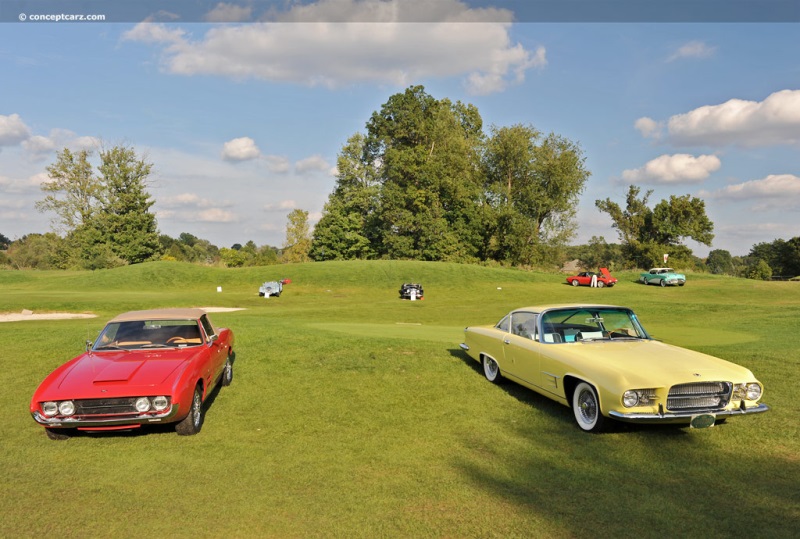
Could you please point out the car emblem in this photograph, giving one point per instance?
(697, 374)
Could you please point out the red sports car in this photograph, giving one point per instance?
(604, 278)
(146, 367)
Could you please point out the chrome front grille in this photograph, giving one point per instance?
(700, 396)
(105, 406)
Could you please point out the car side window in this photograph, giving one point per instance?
(503, 324)
(207, 327)
(524, 324)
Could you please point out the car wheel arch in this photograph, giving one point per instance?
(601, 423)
(571, 381)
(483, 359)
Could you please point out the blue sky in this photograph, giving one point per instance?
(243, 121)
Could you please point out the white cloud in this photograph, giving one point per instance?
(335, 54)
(776, 120)
(278, 164)
(693, 49)
(674, 169)
(648, 127)
(313, 163)
(223, 12)
(240, 149)
(39, 147)
(283, 205)
(215, 215)
(776, 191)
(13, 130)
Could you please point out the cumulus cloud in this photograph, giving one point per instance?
(776, 120)
(648, 127)
(334, 54)
(310, 164)
(223, 12)
(278, 164)
(40, 147)
(240, 149)
(283, 205)
(13, 130)
(693, 49)
(674, 169)
(776, 191)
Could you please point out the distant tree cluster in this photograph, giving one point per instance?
(424, 182)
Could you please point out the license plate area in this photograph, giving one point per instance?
(702, 421)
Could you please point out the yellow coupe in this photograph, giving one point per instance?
(599, 360)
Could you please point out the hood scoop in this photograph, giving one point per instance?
(120, 371)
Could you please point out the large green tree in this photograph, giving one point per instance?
(298, 237)
(346, 229)
(426, 152)
(646, 234)
(533, 183)
(73, 191)
(129, 227)
(105, 217)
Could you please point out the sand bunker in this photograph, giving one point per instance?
(30, 315)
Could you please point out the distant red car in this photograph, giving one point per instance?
(146, 367)
(604, 278)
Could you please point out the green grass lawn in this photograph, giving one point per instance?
(355, 414)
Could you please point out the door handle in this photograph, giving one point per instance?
(506, 341)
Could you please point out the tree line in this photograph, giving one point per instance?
(424, 181)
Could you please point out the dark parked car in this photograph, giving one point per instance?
(411, 291)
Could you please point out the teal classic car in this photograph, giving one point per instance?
(663, 277)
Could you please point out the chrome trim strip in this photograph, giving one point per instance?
(684, 416)
(79, 423)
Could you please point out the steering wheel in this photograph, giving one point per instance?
(175, 339)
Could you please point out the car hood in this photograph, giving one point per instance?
(120, 373)
(642, 363)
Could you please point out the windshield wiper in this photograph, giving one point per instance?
(111, 347)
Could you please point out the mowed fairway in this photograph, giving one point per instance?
(355, 414)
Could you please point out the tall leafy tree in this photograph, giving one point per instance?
(105, 217)
(533, 182)
(73, 191)
(298, 237)
(129, 227)
(346, 228)
(426, 152)
(648, 233)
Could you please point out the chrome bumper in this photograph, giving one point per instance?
(684, 417)
(128, 419)
(464, 346)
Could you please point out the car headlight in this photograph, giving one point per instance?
(50, 408)
(142, 404)
(630, 399)
(638, 397)
(160, 403)
(66, 407)
(753, 392)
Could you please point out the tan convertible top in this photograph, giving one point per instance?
(160, 314)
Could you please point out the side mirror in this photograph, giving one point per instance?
(88, 345)
(213, 339)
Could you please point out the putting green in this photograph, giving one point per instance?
(399, 330)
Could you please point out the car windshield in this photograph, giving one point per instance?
(590, 324)
(140, 334)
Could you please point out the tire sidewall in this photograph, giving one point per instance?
(584, 391)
